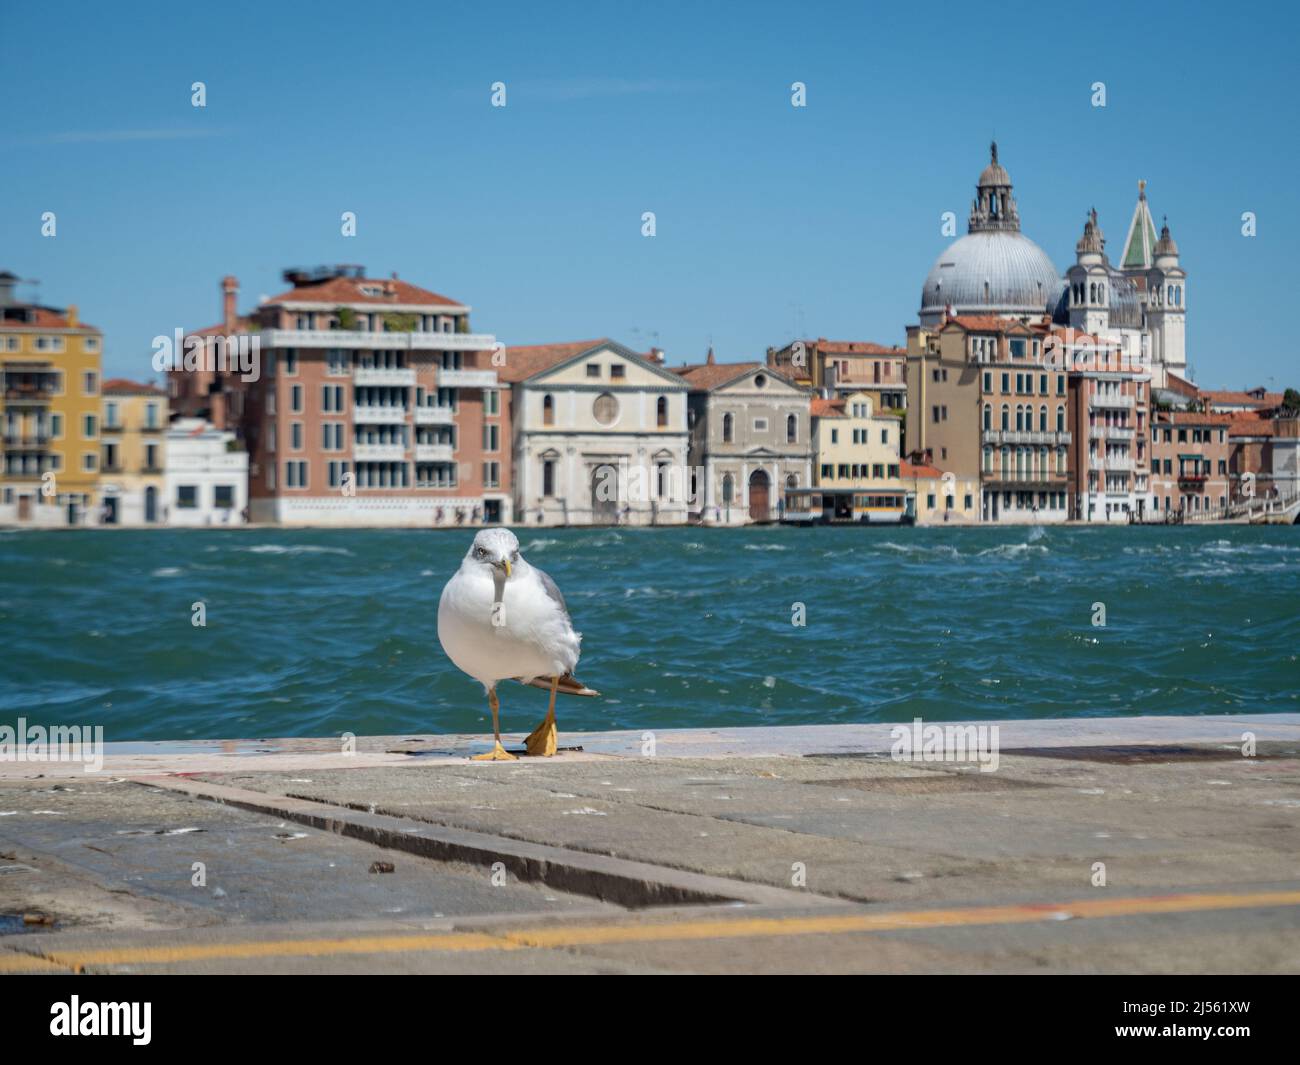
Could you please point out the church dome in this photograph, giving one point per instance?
(995, 269)
(999, 272)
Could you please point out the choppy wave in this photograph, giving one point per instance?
(682, 628)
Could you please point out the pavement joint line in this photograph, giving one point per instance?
(704, 928)
(622, 881)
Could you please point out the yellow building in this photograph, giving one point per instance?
(49, 410)
(856, 462)
(936, 497)
(133, 429)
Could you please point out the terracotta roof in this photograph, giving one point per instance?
(827, 408)
(987, 323)
(1244, 399)
(913, 469)
(852, 347)
(121, 386)
(1179, 384)
(1187, 417)
(1253, 427)
(338, 290)
(47, 318)
(522, 361)
(241, 326)
(704, 377)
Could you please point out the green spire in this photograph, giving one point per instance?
(1141, 240)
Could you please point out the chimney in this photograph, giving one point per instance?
(229, 292)
(657, 355)
(71, 315)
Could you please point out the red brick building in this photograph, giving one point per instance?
(362, 401)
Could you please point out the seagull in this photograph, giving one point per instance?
(501, 619)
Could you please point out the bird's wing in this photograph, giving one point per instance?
(567, 685)
(553, 590)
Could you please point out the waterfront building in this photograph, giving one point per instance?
(939, 497)
(843, 366)
(206, 480)
(49, 410)
(1107, 418)
(1264, 458)
(750, 440)
(600, 435)
(856, 460)
(1189, 463)
(133, 427)
(373, 403)
(987, 404)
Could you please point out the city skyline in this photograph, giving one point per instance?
(772, 221)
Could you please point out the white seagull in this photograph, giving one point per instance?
(501, 619)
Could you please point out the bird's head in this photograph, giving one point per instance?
(497, 550)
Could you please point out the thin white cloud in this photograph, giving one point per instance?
(565, 89)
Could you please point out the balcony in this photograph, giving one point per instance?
(376, 341)
(27, 441)
(1018, 436)
(434, 415)
(433, 453)
(377, 375)
(1111, 432)
(467, 378)
(379, 452)
(1051, 478)
(1110, 401)
(1111, 462)
(29, 394)
(116, 427)
(362, 414)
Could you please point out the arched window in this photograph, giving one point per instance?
(1006, 462)
(728, 486)
(1171, 293)
(792, 481)
(1006, 417)
(988, 416)
(1060, 419)
(548, 410)
(1042, 419)
(1101, 293)
(1092, 293)
(1020, 418)
(661, 411)
(792, 429)
(728, 432)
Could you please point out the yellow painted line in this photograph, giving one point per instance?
(17, 962)
(284, 948)
(720, 928)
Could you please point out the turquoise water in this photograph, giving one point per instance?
(324, 631)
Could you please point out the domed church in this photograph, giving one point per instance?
(995, 270)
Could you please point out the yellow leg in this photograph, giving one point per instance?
(498, 753)
(541, 741)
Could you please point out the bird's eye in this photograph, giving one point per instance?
(514, 557)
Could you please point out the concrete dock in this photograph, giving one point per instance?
(1148, 845)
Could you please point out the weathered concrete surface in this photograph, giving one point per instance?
(868, 864)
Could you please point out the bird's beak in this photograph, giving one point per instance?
(505, 565)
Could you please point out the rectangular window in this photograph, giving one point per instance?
(618, 371)
(290, 362)
(295, 436)
(336, 361)
(223, 496)
(89, 383)
(492, 401)
(491, 475)
(491, 437)
(89, 425)
(295, 399)
(187, 496)
(593, 369)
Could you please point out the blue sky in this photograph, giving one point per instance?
(772, 221)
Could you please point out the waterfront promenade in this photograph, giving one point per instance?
(805, 849)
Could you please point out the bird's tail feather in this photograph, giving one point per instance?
(568, 685)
